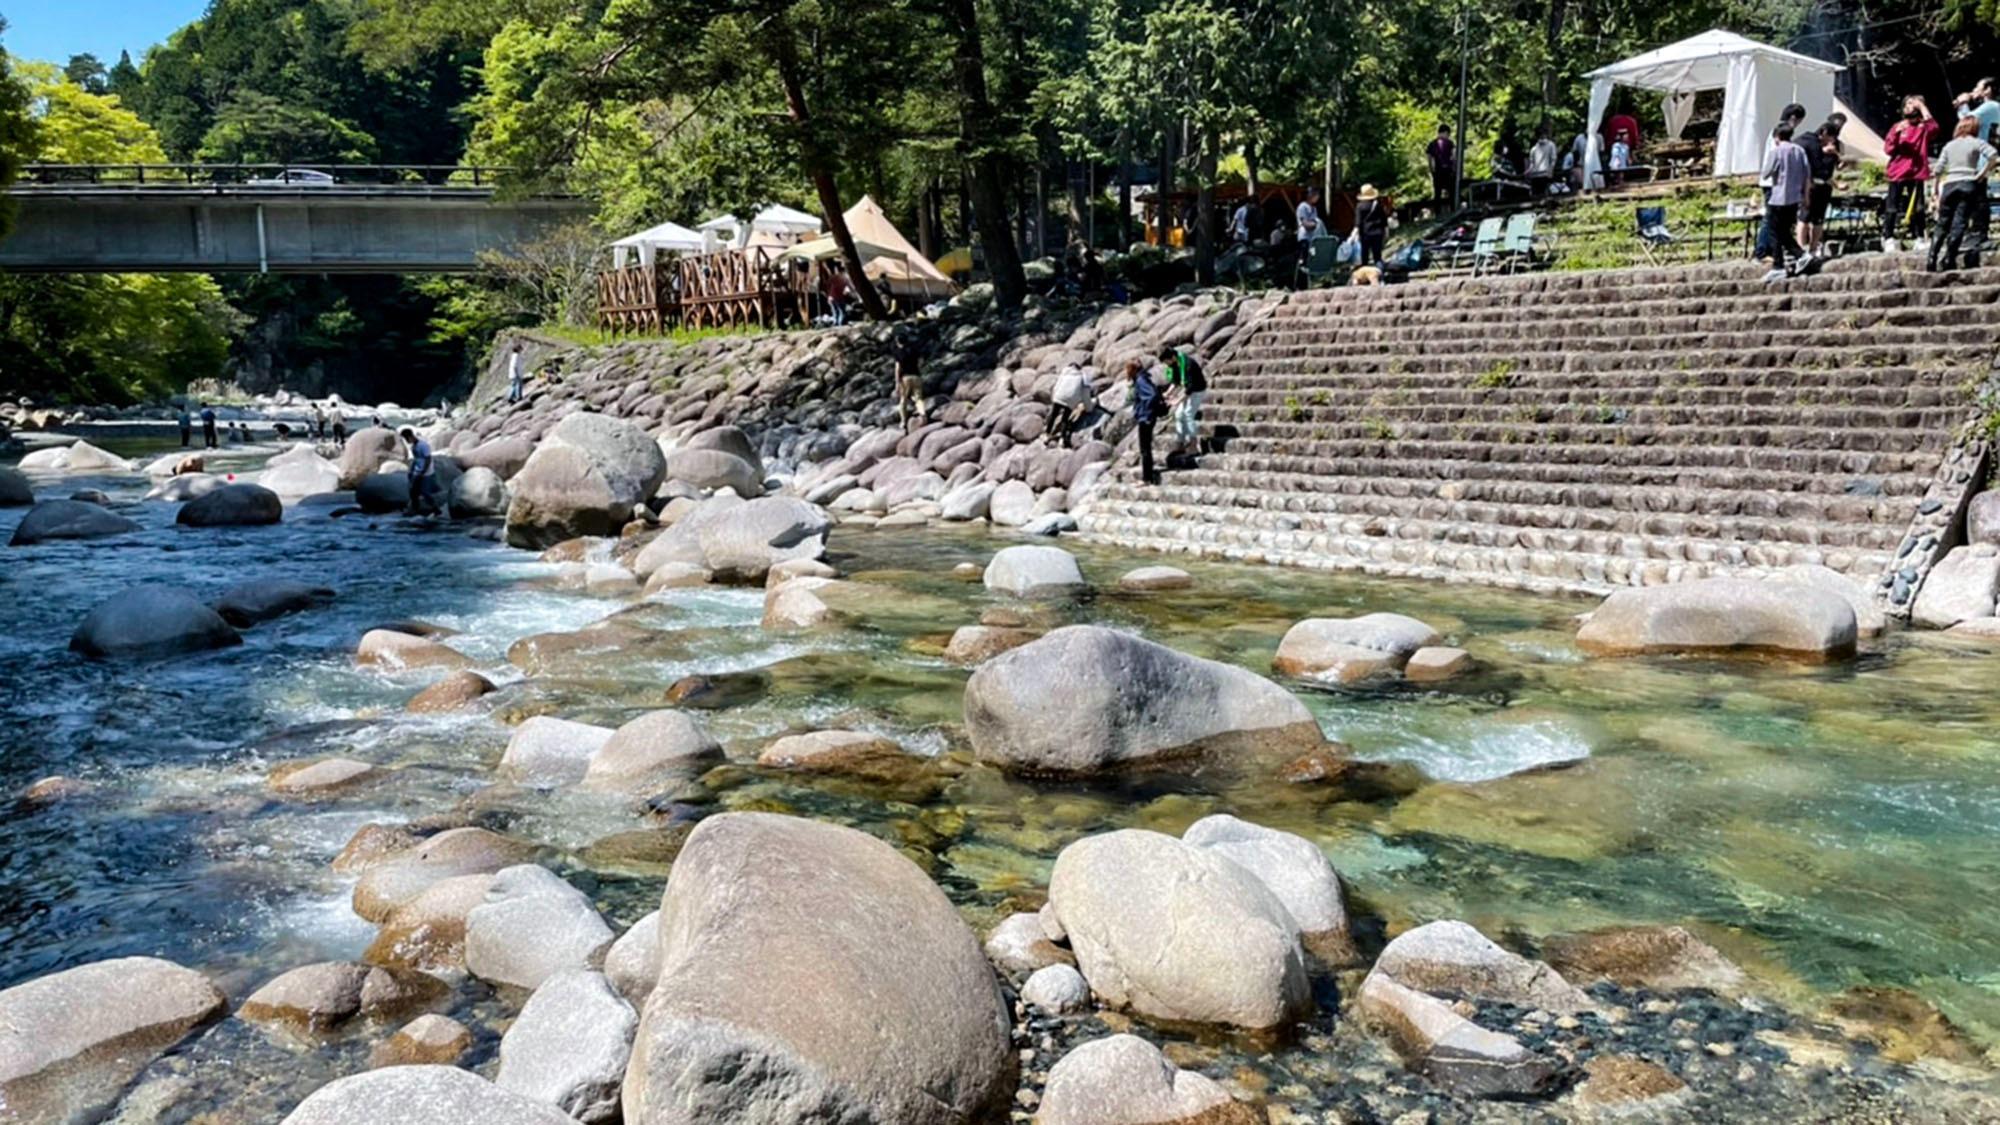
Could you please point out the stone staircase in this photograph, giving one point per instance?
(1585, 431)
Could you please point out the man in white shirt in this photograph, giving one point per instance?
(1541, 162)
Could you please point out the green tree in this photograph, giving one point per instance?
(86, 71)
(17, 132)
(256, 128)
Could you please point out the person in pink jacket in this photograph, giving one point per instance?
(1908, 147)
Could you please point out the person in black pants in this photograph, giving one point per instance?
(1371, 219)
(1145, 412)
(208, 426)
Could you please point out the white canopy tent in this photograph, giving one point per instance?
(671, 238)
(1757, 82)
(787, 223)
(723, 230)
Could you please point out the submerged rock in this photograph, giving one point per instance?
(388, 648)
(748, 1023)
(71, 1041)
(151, 621)
(569, 1046)
(1179, 932)
(319, 998)
(1722, 615)
(452, 693)
(428, 1040)
(408, 1095)
(1123, 701)
(316, 777)
(975, 644)
(1152, 579)
(68, 519)
(1124, 1080)
(1659, 958)
(251, 603)
(233, 505)
(1348, 649)
(854, 753)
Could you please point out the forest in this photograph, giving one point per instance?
(995, 122)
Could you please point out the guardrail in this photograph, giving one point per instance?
(288, 176)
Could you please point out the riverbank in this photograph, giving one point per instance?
(1782, 812)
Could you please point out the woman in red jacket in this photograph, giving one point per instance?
(1908, 147)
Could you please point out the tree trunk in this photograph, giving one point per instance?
(985, 163)
(1125, 194)
(1163, 210)
(1551, 50)
(785, 57)
(927, 235)
(1209, 148)
(1250, 168)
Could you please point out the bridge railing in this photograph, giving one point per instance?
(284, 175)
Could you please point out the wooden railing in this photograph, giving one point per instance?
(725, 289)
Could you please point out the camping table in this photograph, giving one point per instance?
(1750, 222)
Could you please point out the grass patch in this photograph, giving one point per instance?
(591, 336)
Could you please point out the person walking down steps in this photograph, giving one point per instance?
(1145, 412)
(1186, 386)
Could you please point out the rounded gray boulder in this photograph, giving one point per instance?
(233, 505)
(151, 621)
(421, 1095)
(68, 519)
(586, 478)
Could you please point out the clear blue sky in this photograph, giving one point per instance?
(53, 30)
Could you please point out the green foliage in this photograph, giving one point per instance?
(1498, 376)
(256, 128)
(18, 132)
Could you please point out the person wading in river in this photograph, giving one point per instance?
(187, 426)
(208, 425)
(1145, 411)
(421, 467)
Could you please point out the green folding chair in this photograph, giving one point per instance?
(1517, 246)
(1486, 245)
(1322, 256)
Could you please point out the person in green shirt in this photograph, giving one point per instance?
(1186, 386)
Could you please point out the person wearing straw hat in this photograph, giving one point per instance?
(1371, 222)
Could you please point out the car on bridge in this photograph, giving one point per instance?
(296, 178)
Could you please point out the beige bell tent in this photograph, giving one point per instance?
(900, 267)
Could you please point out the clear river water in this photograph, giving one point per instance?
(1827, 826)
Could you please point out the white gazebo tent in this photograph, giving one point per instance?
(670, 238)
(781, 226)
(722, 231)
(1757, 82)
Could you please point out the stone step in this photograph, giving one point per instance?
(1650, 354)
(1248, 410)
(1913, 389)
(1317, 491)
(1947, 382)
(1371, 515)
(1553, 436)
(1643, 310)
(1591, 459)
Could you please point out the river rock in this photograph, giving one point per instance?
(1018, 946)
(428, 1040)
(532, 925)
(730, 440)
(1719, 615)
(1179, 932)
(318, 777)
(974, 644)
(319, 998)
(68, 519)
(852, 752)
(798, 568)
(1450, 958)
(1125, 701)
(1027, 571)
(151, 621)
(87, 458)
(569, 1045)
(1465, 1059)
(1347, 649)
(388, 648)
(421, 1095)
(1124, 1080)
(233, 505)
(968, 501)
(586, 478)
(1869, 620)
(796, 605)
(71, 1041)
(298, 474)
(251, 603)
(1962, 586)
(547, 751)
(1434, 664)
(740, 539)
(452, 693)
(1012, 504)
(1294, 870)
(1150, 579)
(633, 963)
(651, 752)
(459, 851)
(909, 1029)
(504, 455)
(713, 469)
(382, 493)
(179, 490)
(675, 576)
(1050, 524)
(1058, 990)
(365, 453)
(1660, 958)
(428, 931)
(15, 491)
(1622, 1087)
(478, 491)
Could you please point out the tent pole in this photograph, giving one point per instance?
(1464, 50)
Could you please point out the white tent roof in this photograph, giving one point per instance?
(649, 243)
(780, 219)
(724, 221)
(1757, 81)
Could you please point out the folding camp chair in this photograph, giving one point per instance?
(1517, 246)
(1317, 264)
(1486, 245)
(1654, 237)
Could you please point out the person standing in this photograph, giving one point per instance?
(1371, 222)
(1961, 168)
(208, 426)
(1190, 386)
(515, 375)
(319, 421)
(421, 467)
(1310, 226)
(910, 404)
(1788, 172)
(1980, 106)
(186, 421)
(1541, 163)
(1442, 155)
(1822, 151)
(1145, 412)
(836, 294)
(1793, 116)
(1908, 147)
(1621, 158)
(1239, 224)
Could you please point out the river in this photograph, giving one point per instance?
(1826, 826)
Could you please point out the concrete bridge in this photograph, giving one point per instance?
(238, 219)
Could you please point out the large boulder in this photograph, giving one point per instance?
(68, 519)
(71, 1041)
(478, 491)
(405, 874)
(1294, 869)
(189, 486)
(1179, 932)
(730, 440)
(421, 1095)
(87, 458)
(1124, 1080)
(651, 751)
(151, 621)
(532, 926)
(632, 964)
(810, 972)
(504, 455)
(1962, 586)
(1722, 615)
(569, 1045)
(233, 505)
(587, 477)
(1028, 571)
(546, 751)
(1124, 701)
(382, 493)
(15, 491)
(249, 603)
(1346, 649)
(715, 469)
(299, 474)
(365, 453)
(741, 539)
(1869, 619)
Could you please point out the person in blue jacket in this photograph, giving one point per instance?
(1146, 405)
(421, 467)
